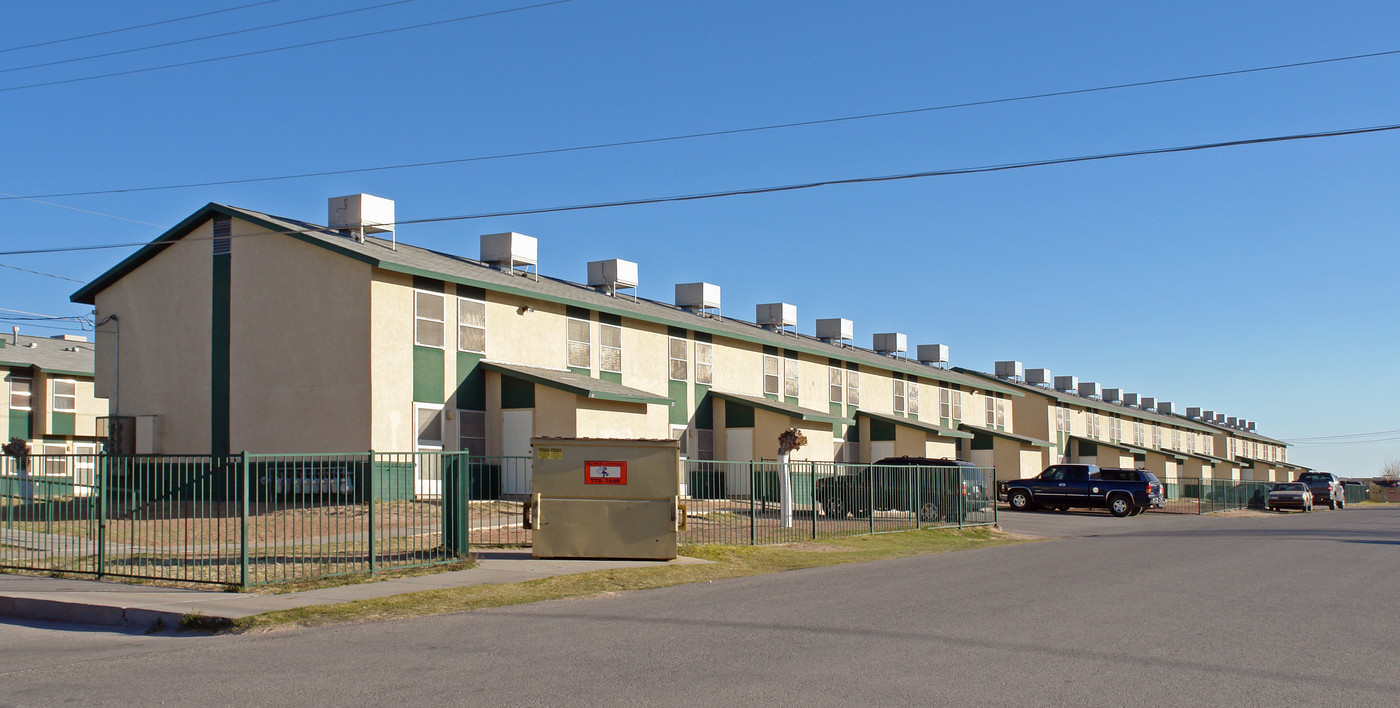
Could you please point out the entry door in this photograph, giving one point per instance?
(427, 469)
(517, 427)
(738, 446)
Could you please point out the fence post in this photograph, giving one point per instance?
(243, 502)
(105, 461)
(369, 499)
(753, 509)
(812, 494)
(870, 508)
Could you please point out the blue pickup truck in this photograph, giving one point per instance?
(1124, 492)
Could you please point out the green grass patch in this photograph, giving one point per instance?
(727, 562)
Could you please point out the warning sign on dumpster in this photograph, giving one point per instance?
(605, 472)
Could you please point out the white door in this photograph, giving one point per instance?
(427, 469)
(738, 446)
(517, 427)
(84, 469)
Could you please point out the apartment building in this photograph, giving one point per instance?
(48, 383)
(239, 330)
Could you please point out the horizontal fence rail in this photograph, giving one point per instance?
(739, 502)
(246, 520)
(1187, 495)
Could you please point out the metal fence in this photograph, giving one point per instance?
(1202, 496)
(245, 520)
(738, 502)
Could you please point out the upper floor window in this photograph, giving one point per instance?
(792, 377)
(471, 325)
(580, 344)
(65, 395)
(838, 384)
(1091, 424)
(949, 403)
(680, 365)
(1138, 437)
(852, 388)
(996, 411)
(1190, 442)
(899, 396)
(1157, 436)
(1115, 428)
(770, 375)
(610, 348)
(21, 393)
(911, 399)
(429, 318)
(1062, 419)
(704, 364)
(1176, 439)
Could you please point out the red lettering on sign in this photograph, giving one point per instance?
(597, 472)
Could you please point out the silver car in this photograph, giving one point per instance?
(1289, 495)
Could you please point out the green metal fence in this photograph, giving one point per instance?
(1185, 495)
(245, 520)
(738, 502)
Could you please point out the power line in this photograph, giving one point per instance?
(136, 27)
(36, 272)
(6, 197)
(1351, 442)
(803, 186)
(201, 39)
(1347, 435)
(240, 55)
(718, 133)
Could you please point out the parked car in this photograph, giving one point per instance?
(1132, 474)
(940, 489)
(1082, 486)
(1326, 489)
(1290, 495)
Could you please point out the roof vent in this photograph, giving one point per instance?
(1147, 403)
(509, 251)
(1067, 384)
(70, 337)
(1193, 413)
(891, 343)
(1113, 395)
(836, 329)
(1250, 426)
(1232, 421)
(932, 354)
(1207, 416)
(776, 316)
(699, 298)
(1010, 370)
(1220, 418)
(358, 214)
(1164, 407)
(1090, 389)
(1038, 377)
(611, 276)
(1130, 399)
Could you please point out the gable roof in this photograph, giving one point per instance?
(412, 260)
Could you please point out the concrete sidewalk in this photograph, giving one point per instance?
(143, 606)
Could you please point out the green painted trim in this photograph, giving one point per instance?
(517, 393)
(1089, 449)
(471, 382)
(581, 371)
(881, 430)
(704, 408)
(629, 396)
(613, 376)
(429, 374)
(20, 426)
(609, 319)
(63, 424)
(982, 441)
(782, 408)
(432, 285)
(738, 415)
(221, 337)
(36, 367)
(790, 400)
(680, 410)
(916, 424)
(677, 332)
(1023, 439)
(578, 313)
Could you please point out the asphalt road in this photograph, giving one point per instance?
(1157, 610)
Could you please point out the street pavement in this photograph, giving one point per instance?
(1274, 609)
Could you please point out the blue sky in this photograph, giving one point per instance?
(1256, 281)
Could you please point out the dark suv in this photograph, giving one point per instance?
(941, 490)
(1155, 490)
(1326, 489)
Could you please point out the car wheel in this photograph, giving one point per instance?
(1138, 510)
(834, 509)
(1341, 503)
(1332, 504)
(928, 513)
(1019, 499)
(1120, 506)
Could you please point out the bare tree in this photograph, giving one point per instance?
(1391, 469)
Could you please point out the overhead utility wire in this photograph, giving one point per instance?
(1350, 442)
(795, 187)
(209, 36)
(717, 133)
(332, 40)
(136, 27)
(36, 272)
(1319, 438)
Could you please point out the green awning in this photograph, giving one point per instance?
(1023, 439)
(787, 409)
(916, 424)
(585, 386)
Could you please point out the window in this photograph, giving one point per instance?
(770, 375)
(429, 424)
(471, 432)
(912, 399)
(1062, 419)
(838, 386)
(1115, 428)
(852, 388)
(55, 460)
(610, 348)
(680, 434)
(1138, 436)
(996, 411)
(1282, 454)
(1255, 448)
(1000, 413)
(429, 311)
(704, 444)
(1157, 437)
(1207, 445)
(1176, 439)
(899, 396)
(21, 390)
(471, 325)
(580, 351)
(680, 366)
(1091, 424)
(945, 403)
(65, 395)
(1190, 442)
(792, 377)
(1230, 445)
(704, 365)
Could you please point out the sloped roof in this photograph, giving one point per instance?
(1023, 439)
(585, 386)
(54, 356)
(916, 424)
(412, 260)
(782, 407)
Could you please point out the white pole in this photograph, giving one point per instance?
(784, 491)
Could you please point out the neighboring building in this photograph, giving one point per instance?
(238, 330)
(48, 383)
